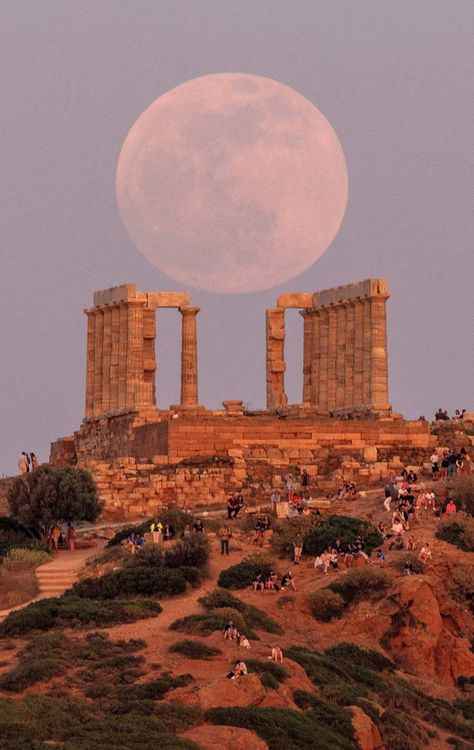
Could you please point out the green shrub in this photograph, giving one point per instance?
(461, 584)
(193, 576)
(408, 558)
(358, 582)
(241, 575)
(233, 615)
(209, 623)
(270, 673)
(38, 669)
(325, 712)
(326, 604)
(284, 728)
(284, 533)
(466, 706)
(195, 649)
(71, 611)
(458, 530)
(345, 528)
(364, 657)
(25, 557)
(153, 690)
(254, 617)
(131, 581)
(193, 552)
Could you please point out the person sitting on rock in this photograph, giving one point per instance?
(240, 668)
(322, 562)
(198, 527)
(228, 631)
(168, 532)
(272, 581)
(425, 553)
(398, 527)
(258, 583)
(244, 641)
(333, 560)
(380, 557)
(450, 509)
(287, 581)
(277, 654)
(407, 569)
(359, 544)
(411, 544)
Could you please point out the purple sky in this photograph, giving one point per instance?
(393, 80)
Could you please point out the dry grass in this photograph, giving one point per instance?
(16, 586)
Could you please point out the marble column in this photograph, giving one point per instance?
(379, 363)
(98, 356)
(323, 362)
(122, 356)
(340, 369)
(275, 355)
(90, 361)
(307, 353)
(331, 358)
(315, 357)
(114, 358)
(106, 357)
(134, 353)
(367, 354)
(349, 363)
(189, 371)
(358, 352)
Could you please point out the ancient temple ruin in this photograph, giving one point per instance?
(143, 457)
(121, 357)
(345, 367)
(344, 363)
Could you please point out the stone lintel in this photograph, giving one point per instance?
(295, 299)
(167, 299)
(114, 294)
(358, 290)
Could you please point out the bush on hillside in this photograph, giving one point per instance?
(325, 605)
(461, 584)
(284, 532)
(458, 530)
(212, 622)
(38, 669)
(283, 728)
(344, 528)
(359, 582)
(25, 557)
(241, 575)
(195, 649)
(71, 611)
(270, 673)
(408, 558)
(254, 617)
(193, 552)
(131, 581)
(363, 657)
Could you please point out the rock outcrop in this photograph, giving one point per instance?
(210, 737)
(367, 735)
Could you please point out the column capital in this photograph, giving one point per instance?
(189, 310)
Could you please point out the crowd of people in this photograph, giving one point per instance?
(442, 414)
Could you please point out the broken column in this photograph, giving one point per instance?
(276, 396)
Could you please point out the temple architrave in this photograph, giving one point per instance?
(143, 457)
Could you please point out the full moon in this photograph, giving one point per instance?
(232, 183)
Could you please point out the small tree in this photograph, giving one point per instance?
(47, 496)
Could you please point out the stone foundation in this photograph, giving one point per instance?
(142, 464)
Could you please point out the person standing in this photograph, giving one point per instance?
(297, 548)
(275, 499)
(290, 485)
(225, 534)
(33, 461)
(71, 537)
(23, 463)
